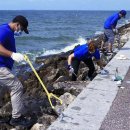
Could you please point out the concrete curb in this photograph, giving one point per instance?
(89, 109)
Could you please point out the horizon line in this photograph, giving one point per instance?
(51, 10)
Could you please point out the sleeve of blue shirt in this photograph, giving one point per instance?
(3, 37)
(97, 55)
(114, 21)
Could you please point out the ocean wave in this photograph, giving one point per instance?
(80, 41)
(33, 54)
(98, 33)
(123, 23)
(127, 21)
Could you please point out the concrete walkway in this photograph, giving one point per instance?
(89, 109)
(118, 117)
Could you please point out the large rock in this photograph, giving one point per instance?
(38, 126)
(74, 87)
(66, 98)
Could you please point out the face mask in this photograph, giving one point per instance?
(19, 33)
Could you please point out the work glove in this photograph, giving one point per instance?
(103, 71)
(70, 68)
(18, 57)
(115, 30)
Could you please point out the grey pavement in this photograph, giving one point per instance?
(89, 109)
(118, 117)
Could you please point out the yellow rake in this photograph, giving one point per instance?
(49, 95)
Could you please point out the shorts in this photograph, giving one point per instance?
(109, 36)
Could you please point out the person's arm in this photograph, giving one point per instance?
(70, 58)
(98, 59)
(4, 51)
(15, 56)
(102, 69)
(99, 62)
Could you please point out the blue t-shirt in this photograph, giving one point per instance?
(7, 40)
(111, 21)
(82, 53)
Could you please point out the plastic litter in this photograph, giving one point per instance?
(117, 78)
(121, 57)
(118, 83)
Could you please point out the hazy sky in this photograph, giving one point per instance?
(64, 4)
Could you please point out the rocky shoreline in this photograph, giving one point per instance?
(56, 78)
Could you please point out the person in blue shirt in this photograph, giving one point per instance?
(110, 28)
(8, 81)
(84, 53)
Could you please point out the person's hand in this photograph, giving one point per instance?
(115, 30)
(70, 68)
(18, 57)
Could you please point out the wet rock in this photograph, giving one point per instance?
(62, 79)
(46, 120)
(74, 87)
(67, 98)
(38, 126)
(124, 38)
(59, 72)
(82, 74)
(6, 109)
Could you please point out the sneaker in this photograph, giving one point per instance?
(89, 78)
(21, 121)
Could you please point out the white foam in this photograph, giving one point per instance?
(98, 32)
(51, 52)
(44, 52)
(80, 41)
(127, 21)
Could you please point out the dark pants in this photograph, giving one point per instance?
(88, 62)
